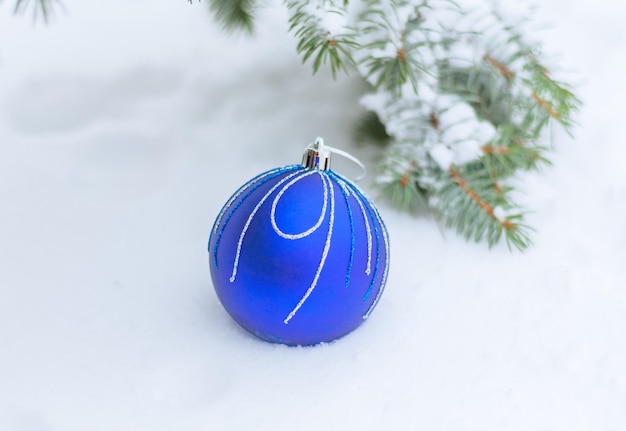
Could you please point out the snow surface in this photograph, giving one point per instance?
(124, 126)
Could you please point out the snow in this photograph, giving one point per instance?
(124, 126)
(442, 155)
(330, 18)
(467, 150)
(500, 213)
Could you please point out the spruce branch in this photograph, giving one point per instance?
(322, 33)
(552, 100)
(487, 212)
(398, 44)
(481, 88)
(507, 88)
(234, 15)
(555, 98)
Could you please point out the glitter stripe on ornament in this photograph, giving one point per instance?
(327, 183)
(368, 230)
(238, 193)
(383, 281)
(256, 209)
(377, 262)
(375, 215)
(346, 195)
(386, 271)
(252, 185)
(310, 230)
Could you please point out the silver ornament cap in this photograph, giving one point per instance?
(316, 156)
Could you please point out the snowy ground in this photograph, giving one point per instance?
(124, 126)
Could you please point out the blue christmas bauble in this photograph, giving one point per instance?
(299, 256)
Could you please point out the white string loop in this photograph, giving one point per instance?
(324, 149)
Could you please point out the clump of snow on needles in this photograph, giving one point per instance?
(460, 136)
(442, 154)
(331, 18)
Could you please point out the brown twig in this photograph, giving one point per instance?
(404, 180)
(495, 149)
(505, 71)
(434, 120)
(546, 106)
(401, 54)
(481, 203)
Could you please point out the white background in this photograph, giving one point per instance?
(124, 127)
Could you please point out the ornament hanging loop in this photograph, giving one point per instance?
(317, 156)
